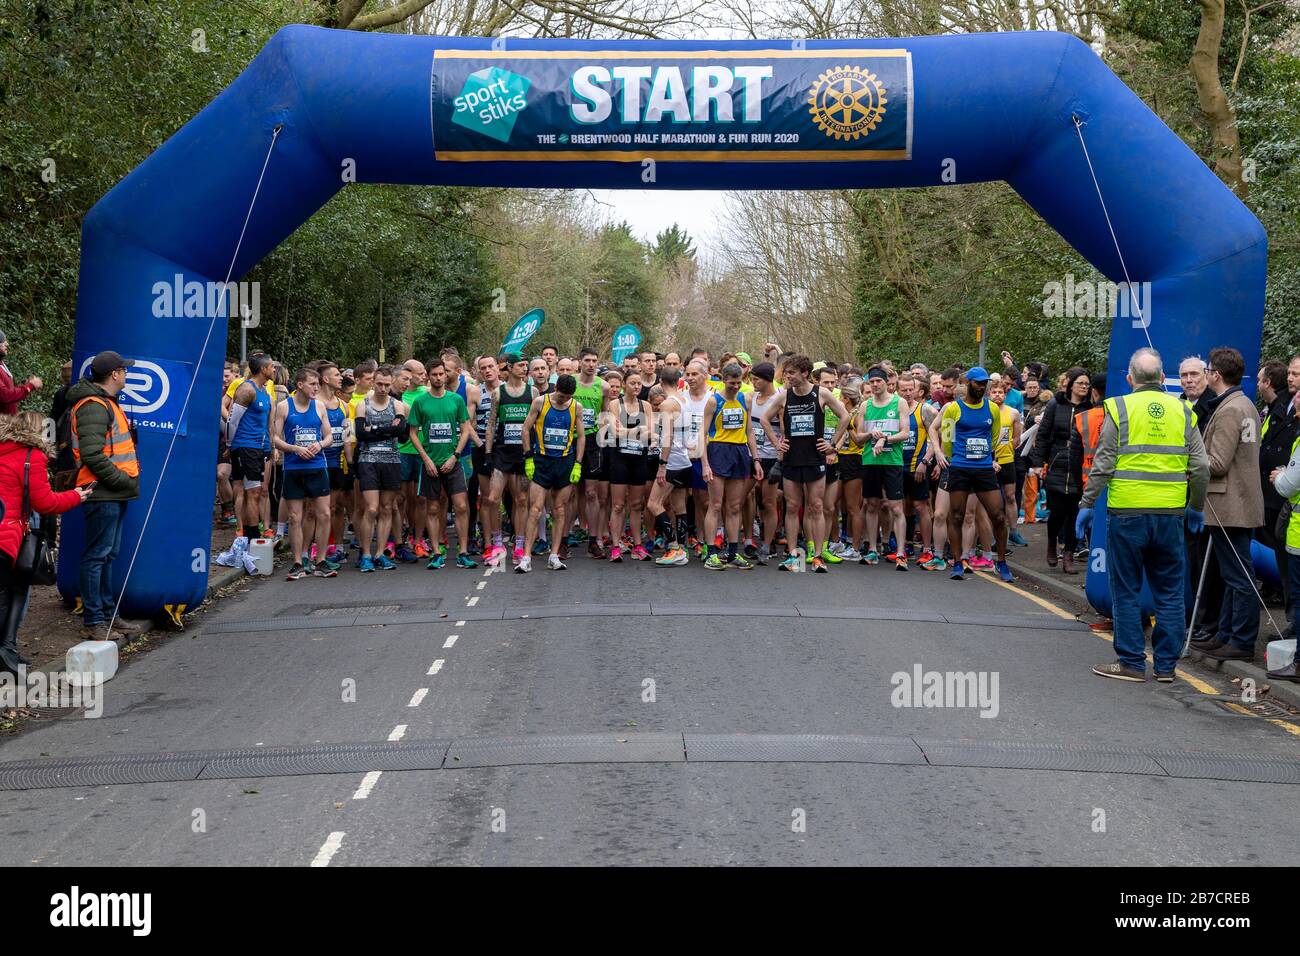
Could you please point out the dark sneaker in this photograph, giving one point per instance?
(1117, 671)
(465, 561)
(740, 562)
(595, 550)
(296, 572)
(541, 546)
(323, 570)
(1229, 652)
(1163, 678)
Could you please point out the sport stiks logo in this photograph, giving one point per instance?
(490, 102)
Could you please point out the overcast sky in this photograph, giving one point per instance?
(652, 210)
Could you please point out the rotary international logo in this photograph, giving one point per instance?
(1156, 410)
(847, 102)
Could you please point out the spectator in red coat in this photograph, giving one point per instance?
(11, 394)
(22, 435)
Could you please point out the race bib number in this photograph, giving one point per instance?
(887, 425)
(633, 445)
(304, 436)
(733, 418)
(337, 432)
(440, 433)
(588, 418)
(514, 433)
(977, 448)
(1004, 435)
(801, 426)
(555, 438)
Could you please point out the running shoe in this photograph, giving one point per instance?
(555, 564)
(595, 550)
(383, 564)
(831, 557)
(935, 564)
(818, 565)
(851, 553)
(764, 554)
(524, 566)
(659, 543)
(519, 555)
(871, 557)
(493, 556)
(564, 550)
(405, 555)
(751, 551)
(616, 555)
(475, 546)
(741, 563)
(540, 547)
(956, 574)
(331, 565)
(435, 563)
(1004, 572)
(714, 562)
(926, 556)
(1016, 538)
(640, 554)
(296, 572)
(836, 548)
(463, 560)
(323, 570)
(981, 563)
(892, 555)
(791, 563)
(965, 565)
(692, 543)
(674, 557)
(900, 562)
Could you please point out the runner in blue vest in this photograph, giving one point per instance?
(303, 438)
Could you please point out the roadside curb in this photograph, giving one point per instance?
(1281, 691)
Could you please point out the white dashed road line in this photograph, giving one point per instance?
(450, 641)
(471, 602)
(418, 696)
(329, 848)
(398, 732)
(367, 784)
(436, 666)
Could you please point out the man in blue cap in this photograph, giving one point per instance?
(967, 429)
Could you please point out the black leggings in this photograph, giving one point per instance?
(1062, 510)
(14, 591)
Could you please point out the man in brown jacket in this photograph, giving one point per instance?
(1234, 504)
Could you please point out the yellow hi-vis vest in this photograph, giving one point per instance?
(1293, 525)
(1155, 431)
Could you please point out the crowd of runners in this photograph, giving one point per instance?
(668, 457)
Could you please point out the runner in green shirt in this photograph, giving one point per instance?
(882, 427)
(440, 430)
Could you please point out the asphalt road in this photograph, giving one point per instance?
(729, 653)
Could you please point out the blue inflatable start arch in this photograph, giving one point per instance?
(317, 109)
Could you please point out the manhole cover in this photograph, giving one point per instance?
(355, 610)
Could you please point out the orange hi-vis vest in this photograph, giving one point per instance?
(1089, 424)
(117, 443)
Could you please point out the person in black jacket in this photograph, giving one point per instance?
(1051, 457)
(1277, 435)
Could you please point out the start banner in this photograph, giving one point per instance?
(840, 105)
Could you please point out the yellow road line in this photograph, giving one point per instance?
(1200, 685)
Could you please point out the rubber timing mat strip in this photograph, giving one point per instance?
(617, 748)
(866, 614)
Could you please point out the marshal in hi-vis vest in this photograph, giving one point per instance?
(118, 446)
(1155, 432)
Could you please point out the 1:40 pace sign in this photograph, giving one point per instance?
(707, 106)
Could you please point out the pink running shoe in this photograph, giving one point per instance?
(493, 556)
(616, 554)
(981, 563)
(519, 555)
(640, 554)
